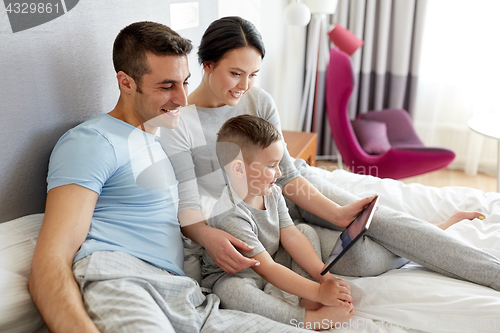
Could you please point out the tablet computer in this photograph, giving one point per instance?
(351, 234)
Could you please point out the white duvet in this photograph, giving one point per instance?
(411, 299)
(414, 299)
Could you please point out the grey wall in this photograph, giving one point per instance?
(54, 76)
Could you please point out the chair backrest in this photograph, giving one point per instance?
(340, 81)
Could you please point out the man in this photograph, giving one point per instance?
(109, 255)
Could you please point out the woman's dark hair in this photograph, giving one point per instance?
(227, 34)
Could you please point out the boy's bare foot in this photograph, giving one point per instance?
(459, 216)
(327, 316)
(310, 305)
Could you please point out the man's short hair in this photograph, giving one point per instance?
(137, 39)
(246, 133)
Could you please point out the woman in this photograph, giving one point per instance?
(231, 52)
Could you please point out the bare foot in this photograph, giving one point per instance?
(328, 316)
(310, 305)
(460, 216)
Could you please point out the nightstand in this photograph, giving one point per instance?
(302, 145)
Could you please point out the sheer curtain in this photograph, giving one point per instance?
(459, 77)
(386, 65)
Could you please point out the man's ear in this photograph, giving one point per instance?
(127, 83)
(238, 168)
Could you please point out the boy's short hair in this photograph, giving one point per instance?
(246, 133)
(137, 39)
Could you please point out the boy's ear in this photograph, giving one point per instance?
(238, 168)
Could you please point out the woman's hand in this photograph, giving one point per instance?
(221, 247)
(347, 213)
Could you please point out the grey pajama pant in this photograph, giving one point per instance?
(243, 291)
(124, 294)
(394, 236)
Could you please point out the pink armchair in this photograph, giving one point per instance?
(378, 143)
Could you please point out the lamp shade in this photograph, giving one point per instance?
(297, 13)
(344, 39)
(322, 6)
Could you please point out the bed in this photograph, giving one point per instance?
(57, 74)
(410, 299)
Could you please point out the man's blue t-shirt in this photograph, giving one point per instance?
(136, 211)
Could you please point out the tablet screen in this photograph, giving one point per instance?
(351, 234)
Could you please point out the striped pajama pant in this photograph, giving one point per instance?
(124, 294)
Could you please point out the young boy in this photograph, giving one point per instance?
(253, 209)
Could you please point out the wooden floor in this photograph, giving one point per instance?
(441, 178)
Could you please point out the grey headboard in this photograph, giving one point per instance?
(53, 76)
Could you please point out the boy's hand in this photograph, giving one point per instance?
(349, 212)
(334, 292)
(221, 247)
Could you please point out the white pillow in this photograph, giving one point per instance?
(17, 243)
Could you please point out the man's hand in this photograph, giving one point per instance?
(346, 214)
(221, 247)
(219, 244)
